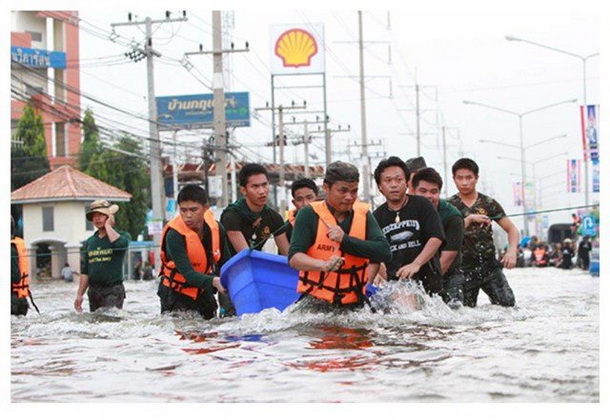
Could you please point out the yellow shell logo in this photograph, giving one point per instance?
(296, 47)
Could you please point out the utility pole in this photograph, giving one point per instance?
(418, 134)
(365, 153)
(156, 175)
(282, 140)
(417, 119)
(220, 124)
(330, 131)
(307, 136)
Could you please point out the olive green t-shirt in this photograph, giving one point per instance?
(375, 247)
(103, 260)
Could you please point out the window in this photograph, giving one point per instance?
(60, 139)
(36, 36)
(48, 222)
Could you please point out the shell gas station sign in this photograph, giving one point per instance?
(297, 49)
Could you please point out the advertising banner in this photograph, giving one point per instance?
(197, 111)
(297, 49)
(590, 131)
(596, 176)
(573, 172)
(517, 196)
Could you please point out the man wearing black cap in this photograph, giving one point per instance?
(104, 253)
(414, 165)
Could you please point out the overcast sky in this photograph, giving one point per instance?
(455, 54)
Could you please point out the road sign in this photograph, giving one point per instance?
(588, 226)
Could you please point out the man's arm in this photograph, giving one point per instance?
(113, 235)
(237, 240)
(447, 258)
(282, 244)
(409, 270)
(454, 235)
(82, 288)
(303, 262)
(510, 258)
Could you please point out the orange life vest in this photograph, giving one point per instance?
(346, 285)
(540, 255)
(195, 251)
(23, 287)
(292, 216)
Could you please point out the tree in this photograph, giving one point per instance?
(128, 172)
(29, 159)
(91, 142)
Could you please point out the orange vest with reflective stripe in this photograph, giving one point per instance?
(23, 287)
(346, 285)
(195, 251)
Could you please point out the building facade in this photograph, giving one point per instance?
(45, 72)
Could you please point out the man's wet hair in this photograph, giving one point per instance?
(250, 169)
(386, 163)
(429, 175)
(465, 163)
(304, 183)
(341, 171)
(193, 192)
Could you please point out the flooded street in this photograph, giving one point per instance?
(546, 349)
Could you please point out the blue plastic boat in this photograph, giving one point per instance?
(257, 280)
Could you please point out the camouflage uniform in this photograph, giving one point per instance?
(479, 263)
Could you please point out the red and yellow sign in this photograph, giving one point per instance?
(296, 47)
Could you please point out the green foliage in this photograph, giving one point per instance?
(91, 142)
(129, 173)
(29, 160)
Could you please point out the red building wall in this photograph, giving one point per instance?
(57, 112)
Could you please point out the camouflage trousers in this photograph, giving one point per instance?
(489, 278)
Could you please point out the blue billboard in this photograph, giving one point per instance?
(36, 58)
(197, 111)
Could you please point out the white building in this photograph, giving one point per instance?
(54, 213)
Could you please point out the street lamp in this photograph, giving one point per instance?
(584, 94)
(521, 115)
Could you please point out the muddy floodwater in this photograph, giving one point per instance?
(546, 349)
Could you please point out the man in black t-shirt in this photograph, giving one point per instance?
(249, 221)
(411, 225)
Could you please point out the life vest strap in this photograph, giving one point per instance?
(355, 284)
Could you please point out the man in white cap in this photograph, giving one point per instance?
(104, 253)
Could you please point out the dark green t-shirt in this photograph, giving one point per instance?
(453, 224)
(257, 228)
(175, 246)
(103, 260)
(375, 247)
(478, 241)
